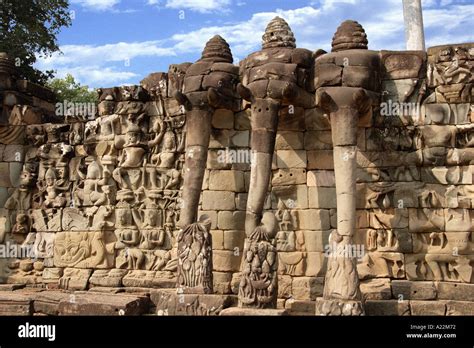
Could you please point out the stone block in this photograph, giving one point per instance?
(294, 197)
(318, 140)
(217, 159)
(5, 174)
(427, 308)
(291, 176)
(240, 139)
(291, 159)
(307, 288)
(284, 286)
(217, 239)
(218, 200)
(314, 219)
(14, 153)
(15, 173)
(225, 261)
(316, 240)
(459, 308)
(398, 65)
(387, 308)
(236, 311)
(322, 197)
(316, 264)
(223, 119)
(226, 180)
(376, 289)
(104, 304)
(408, 290)
(231, 220)
(15, 304)
(321, 178)
(455, 291)
(289, 140)
(234, 239)
(320, 159)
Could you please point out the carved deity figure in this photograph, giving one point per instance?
(195, 257)
(258, 286)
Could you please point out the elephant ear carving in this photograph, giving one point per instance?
(182, 100)
(326, 102)
(244, 92)
(362, 101)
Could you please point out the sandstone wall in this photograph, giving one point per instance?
(99, 199)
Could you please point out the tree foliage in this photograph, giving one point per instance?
(67, 89)
(29, 28)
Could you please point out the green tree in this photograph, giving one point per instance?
(67, 89)
(28, 28)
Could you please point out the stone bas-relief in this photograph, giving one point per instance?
(355, 150)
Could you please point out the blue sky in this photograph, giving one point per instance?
(117, 42)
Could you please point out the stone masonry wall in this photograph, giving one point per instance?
(99, 198)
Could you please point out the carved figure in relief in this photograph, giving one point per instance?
(258, 286)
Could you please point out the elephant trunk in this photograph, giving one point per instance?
(198, 125)
(264, 124)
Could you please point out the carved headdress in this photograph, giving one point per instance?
(350, 35)
(278, 34)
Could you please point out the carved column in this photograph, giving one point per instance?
(346, 99)
(209, 84)
(269, 81)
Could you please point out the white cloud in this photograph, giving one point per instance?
(92, 65)
(202, 6)
(313, 27)
(96, 75)
(96, 5)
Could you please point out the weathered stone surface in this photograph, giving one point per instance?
(292, 176)
(12, 303)
(455, 291)
(102, 304)
(291, 159)
(222, 282)
(47, 302)
(228, 180)
(376, 289)
(307, 288)
(426, 308)
(289, 140)
(300, 308)
(235, 311)
(389, 308)
(231, 220)
(170, 302)
(226, 260)
(234, 240)
(223, 119)
(322, 197)
(320, 159)
(218, 200)
(314, 219)
(316, 240)
(459, 307)
(408, 290)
